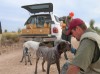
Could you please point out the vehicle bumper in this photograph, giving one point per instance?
(40, 38)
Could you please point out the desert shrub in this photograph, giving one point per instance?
(10, 36)
(97, 30)
(92, 26)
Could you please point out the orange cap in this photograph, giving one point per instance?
(71, 14)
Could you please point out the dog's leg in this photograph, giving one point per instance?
(22, 57)
(37, 59)
(58, 66)
(43, 65)
(25, 58)
(29, 60)
(65, 55)
(48, 67)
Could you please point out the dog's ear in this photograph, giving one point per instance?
(64, 46)
(68, 46)
(61, 47)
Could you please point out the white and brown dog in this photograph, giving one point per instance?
(27, 46)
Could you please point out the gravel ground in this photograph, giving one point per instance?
(10, 61)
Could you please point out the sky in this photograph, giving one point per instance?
(13, 17)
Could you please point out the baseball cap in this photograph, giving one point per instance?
(74, 22)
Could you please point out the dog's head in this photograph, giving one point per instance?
(63, 46)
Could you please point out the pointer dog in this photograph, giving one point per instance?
(51, 55)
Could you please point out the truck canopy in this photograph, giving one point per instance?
(36, 8)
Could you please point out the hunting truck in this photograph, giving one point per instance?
(42, 25)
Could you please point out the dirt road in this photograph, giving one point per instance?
(10, 63)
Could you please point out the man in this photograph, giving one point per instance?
(65, 25)
(87, 57)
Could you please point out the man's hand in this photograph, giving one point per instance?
(73, 70)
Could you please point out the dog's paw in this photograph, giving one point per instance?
(30, 63)
(20, 61)
(35, 72)
(44, 70)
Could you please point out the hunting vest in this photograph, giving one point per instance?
(96, 38)
(93, 36)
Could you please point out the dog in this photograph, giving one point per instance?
(51, 55)
(27, 46)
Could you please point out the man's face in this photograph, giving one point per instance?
(77, 33)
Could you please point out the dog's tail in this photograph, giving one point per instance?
(26, 50)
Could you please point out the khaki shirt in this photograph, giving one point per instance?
(83, 58)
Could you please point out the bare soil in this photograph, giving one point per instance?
(10, 61)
